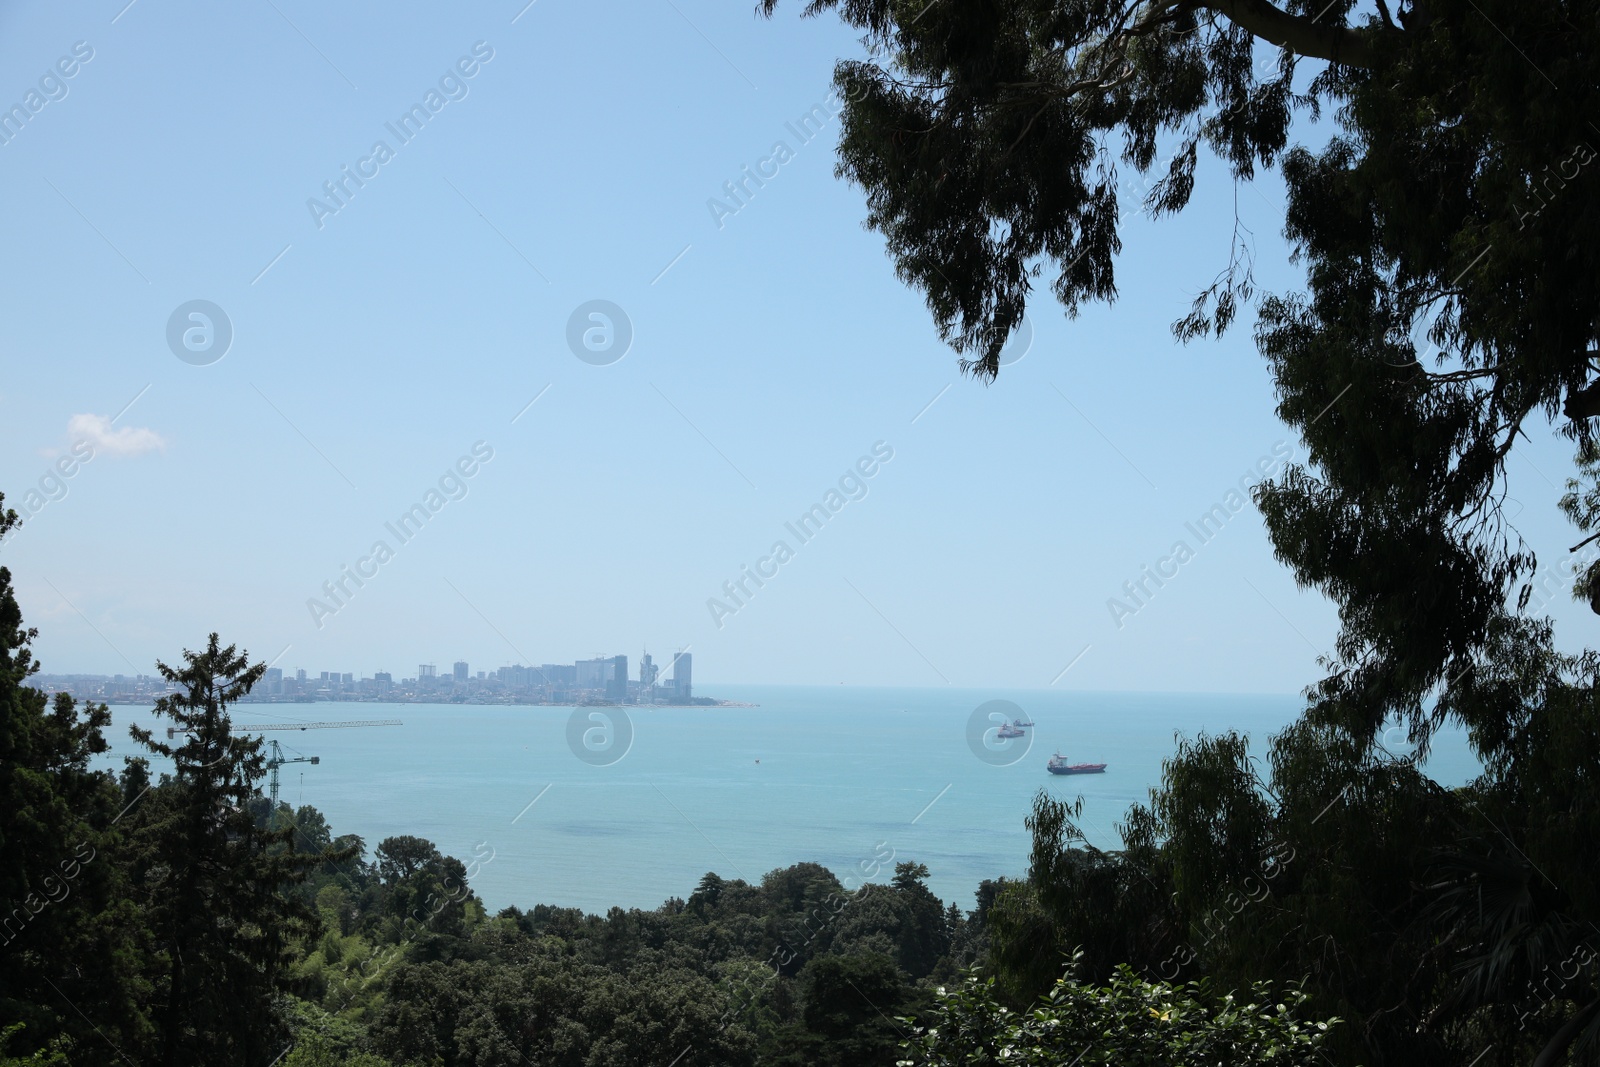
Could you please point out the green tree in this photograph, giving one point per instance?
(68, 936)
(1108, 907)
(850, 1005)
(1447, 232)
(54, 1056)
(423, 885)
(213, 879)
(315, 1049)
(1438, 922)
(1451, 307)
(924, 933)
(1518, 904)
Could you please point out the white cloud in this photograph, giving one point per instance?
(126, 441)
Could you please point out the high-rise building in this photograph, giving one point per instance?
(299, 676)
(461, 671)
(426, 670)
(647, 672)
(593, 673)
(682, 677)
(347, 678)
(557, 674)
(617, 683)
(272, 681)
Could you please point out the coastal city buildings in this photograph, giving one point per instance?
(602, 680)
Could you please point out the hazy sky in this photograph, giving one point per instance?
(571, 153)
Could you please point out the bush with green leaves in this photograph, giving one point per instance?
(317, 1051)
(1128, 1022)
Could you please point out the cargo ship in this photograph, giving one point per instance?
(1007, 730)
(1058, 765)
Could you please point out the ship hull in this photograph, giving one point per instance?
(1100, 769)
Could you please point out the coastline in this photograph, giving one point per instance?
(146, 701)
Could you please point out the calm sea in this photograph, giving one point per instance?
(836, 775)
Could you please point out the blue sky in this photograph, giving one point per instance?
(772, 348)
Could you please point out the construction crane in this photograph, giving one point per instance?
(278, 759)
(277, 752)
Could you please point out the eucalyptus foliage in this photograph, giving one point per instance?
(1447, 230)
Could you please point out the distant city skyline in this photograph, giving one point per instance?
(602, 679)
(528, 390)
(463, 669)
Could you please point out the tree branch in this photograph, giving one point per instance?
(1556, 1050)
(1582, 404)
(1300, 35)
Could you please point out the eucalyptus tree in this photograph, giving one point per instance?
(1447, 228)
(1438, 162)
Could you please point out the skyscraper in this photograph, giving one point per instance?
(682, 678)
(617, 683)
(461, 672)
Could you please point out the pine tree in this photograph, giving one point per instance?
(214, 878)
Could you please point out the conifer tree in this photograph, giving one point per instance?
(65, 933)
(214, 878)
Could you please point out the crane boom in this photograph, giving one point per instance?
(276, 757)
(172, 731)
(317, 725)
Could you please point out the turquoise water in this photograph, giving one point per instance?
(840, 776)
